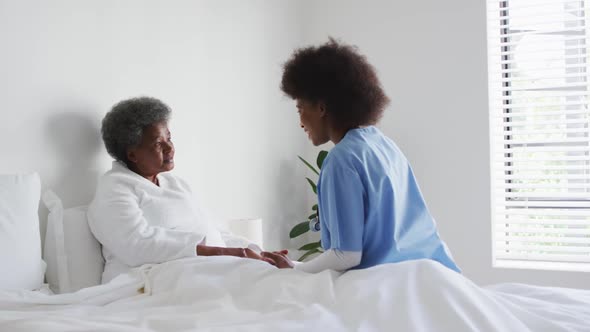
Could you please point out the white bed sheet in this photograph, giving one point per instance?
(230, 294)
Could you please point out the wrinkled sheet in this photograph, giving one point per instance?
(231, 294)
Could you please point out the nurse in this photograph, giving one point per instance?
(371, 209)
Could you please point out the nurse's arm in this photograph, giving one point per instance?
(332, 259)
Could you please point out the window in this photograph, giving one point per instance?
(540, 138)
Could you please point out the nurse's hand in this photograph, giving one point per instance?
(280, 259)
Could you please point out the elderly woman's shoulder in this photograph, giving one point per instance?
(116, 180)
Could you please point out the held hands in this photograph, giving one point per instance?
(279, 257)
(276, 258)
(246, 253)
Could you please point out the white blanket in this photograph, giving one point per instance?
(232, 294)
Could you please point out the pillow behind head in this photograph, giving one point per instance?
(73, 255)
(20, 240)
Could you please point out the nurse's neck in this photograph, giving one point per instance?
(337, 134)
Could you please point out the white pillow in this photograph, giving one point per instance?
(73, 255)
(20, 240)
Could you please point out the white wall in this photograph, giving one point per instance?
(431, 58)
(216, 63)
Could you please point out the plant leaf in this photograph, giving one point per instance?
(311, 246)
(309, 165)
(309, 253)
(313, 186)
(315, 207)
(300, 228)
(321, 156)
(312, 216)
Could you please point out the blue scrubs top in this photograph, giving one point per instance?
(369, 201)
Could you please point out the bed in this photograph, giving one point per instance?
(231, 294)
(226, 293)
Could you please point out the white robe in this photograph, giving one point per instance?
(138, 222)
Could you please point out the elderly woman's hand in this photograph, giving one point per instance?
(279, 258)
(249, 253)
(203, 250)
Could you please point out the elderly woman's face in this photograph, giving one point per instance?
(155, 152)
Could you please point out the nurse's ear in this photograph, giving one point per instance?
(322, 109)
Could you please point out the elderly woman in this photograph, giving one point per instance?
(371, 209)
(141, 212)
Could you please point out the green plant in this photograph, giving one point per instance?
(303, 227)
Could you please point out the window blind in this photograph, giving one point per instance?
(540, 138)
